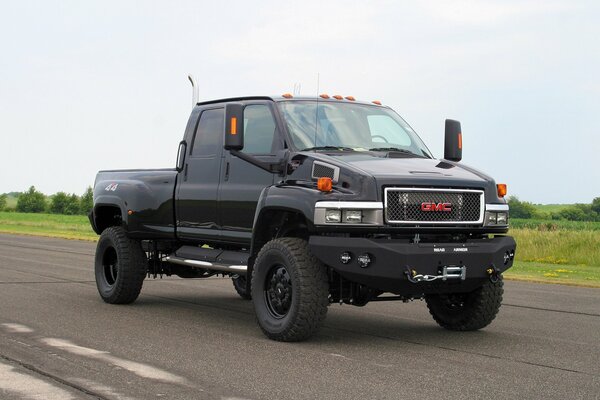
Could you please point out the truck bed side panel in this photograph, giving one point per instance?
(145, 198)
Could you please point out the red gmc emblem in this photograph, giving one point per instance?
(446, 207)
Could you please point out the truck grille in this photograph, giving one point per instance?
(417, 206)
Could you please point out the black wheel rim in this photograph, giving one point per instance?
(278, 291)
(110, 266)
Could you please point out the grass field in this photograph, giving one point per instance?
(547, 251)
(51, 225)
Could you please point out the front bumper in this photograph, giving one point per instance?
(391, 259)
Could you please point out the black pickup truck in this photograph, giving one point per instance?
(305, 202)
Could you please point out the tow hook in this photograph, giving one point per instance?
(448, 272)
(493, 273)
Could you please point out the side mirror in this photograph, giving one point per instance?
(453, 141)
(234, 126)
(181, 155)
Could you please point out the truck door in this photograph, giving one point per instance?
(197, 216)
(242, 182)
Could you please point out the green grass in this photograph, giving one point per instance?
(553, 225)
(551, 208)
(572, 247)
(51, 225)
(579, 275)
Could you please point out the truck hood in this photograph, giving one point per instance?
(409, 170)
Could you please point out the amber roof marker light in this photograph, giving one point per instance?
(324, 96)
(338, 97)
(350, 98)
(376, 102)
(287, 95)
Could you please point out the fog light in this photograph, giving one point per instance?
(345, 257)
(364, 260)
(333, 216)
(353, 216)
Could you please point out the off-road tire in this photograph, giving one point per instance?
(120, 267)
(467, 311)
(239, 283)
(309, 286)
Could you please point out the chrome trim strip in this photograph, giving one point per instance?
(238, 269)
(401, 189)
(496, 207)
(358, 205)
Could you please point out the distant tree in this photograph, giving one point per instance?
(31, 201)
(87, 201)
(3, 198)
(63, 203)
(575, 213)
(596, 205)
(521, 209)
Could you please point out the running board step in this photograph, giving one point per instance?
(218, 260)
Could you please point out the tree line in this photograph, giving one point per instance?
(574, 212)
(34, 201)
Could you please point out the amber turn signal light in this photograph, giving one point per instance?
(233, 126)
(324, 184)
(501, 189)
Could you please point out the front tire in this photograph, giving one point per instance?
(290, 290)
(120, 267)
(467, 311)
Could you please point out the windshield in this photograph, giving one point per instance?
(349, 127)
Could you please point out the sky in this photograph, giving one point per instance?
(97, 85)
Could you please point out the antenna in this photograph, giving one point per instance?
(194, 90)
(317, 111)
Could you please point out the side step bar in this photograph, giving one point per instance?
(236, 269)
(234, 262)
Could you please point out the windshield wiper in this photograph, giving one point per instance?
(397, 150)
(338, 148)
(391, 149)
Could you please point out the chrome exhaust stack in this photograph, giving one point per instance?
(194, 90)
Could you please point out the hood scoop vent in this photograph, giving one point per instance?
(324, 170)
(425, 173)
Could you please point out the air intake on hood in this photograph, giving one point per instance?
(323, 170)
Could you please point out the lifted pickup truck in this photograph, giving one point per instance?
(305, 202)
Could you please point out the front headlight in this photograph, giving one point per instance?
(333, 216)
(493, 218)
(348, 213)
(353, 216)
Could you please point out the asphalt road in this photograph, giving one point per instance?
(196, 339)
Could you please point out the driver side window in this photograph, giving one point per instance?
(259, 129)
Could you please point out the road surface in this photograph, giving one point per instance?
(196, 339)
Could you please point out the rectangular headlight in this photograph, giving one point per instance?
(353, 216)
(502, 218)
(333, 216)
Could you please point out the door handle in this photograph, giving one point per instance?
(226, 171)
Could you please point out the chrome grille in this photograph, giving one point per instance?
(404, 206)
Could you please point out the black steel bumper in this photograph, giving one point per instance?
(395, 262)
